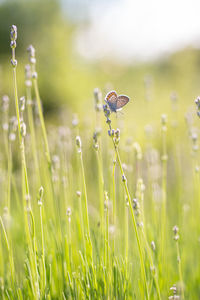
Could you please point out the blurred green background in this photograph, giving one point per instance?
(67, 79)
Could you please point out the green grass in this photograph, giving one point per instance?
(87, 212)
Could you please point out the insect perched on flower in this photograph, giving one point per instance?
(116, 102)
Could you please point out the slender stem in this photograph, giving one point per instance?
(114, 200)
(101, 188)
(81, 220)
(12, 269)
(131, 210)
(153, 268)
(32, 132)
(69, 243)
(89, 248)
(85, 194)
(43, 249)
(9, 175)
(180, 269)
(35, 84)
(164, 194)
(126, 241)
(25, 185)
(134, 223)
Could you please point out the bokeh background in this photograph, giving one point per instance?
(123, 45)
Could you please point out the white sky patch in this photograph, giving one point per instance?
(139, 29)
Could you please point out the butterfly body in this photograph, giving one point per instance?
(116, 102)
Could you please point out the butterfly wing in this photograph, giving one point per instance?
(111, 98)
(121, 101)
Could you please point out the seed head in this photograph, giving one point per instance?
(197, 102)
(13, 62)
(117, 133)
(124, 178)
(175, 229)
(69, 212)
(78, 193)
(106, 110)
(78, 143)
(41, 192)
(23, 129)
(108, 121)
(34, 75)
(164, 119)
(153, 246)
(22, 103)
(13, 33)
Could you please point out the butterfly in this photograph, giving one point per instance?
(116, 102)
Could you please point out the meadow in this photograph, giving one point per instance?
(97, 205)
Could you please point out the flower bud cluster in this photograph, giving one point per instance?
(136, 206)
(13, 44)
(13, 36)
(40, 196)
(164, 122)
(194, 138)
(173, 289)
(78, 143)
(176, 235)
(96, 135)
(197, 102)
(106, 111)
(22, 104)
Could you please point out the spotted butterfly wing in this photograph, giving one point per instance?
(111, 98)
(121, 101)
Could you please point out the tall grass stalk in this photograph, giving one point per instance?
(10, 256)
(176, 238)
(28, 84)
(115, 141)
(96, 140)
(140, 197)
(88, 238)
(40, 204)
(164, 187)
(25, 185)
(32, 60)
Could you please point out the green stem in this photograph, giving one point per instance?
(86, 206)
(101, 188)
(43, 249)
(47, 152)
(180, 269)
(164, 196)
(12, 269)
(114, 201)
(154, 272)
(134, 222)
(32, 132)
(9, 175)
(25, 185)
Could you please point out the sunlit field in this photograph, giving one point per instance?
(99, 204)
